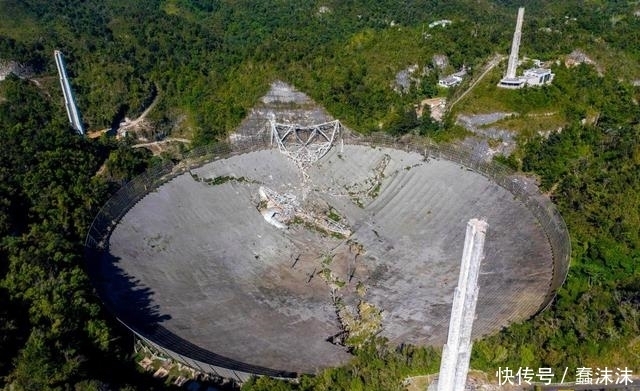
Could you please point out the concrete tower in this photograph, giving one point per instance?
(515, 46)
(510, 80)
(457, 351)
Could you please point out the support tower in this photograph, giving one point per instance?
(515, 46)
(457, 351)
(510, 80)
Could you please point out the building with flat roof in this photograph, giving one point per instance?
(512, 82)
(450, 81)
(538, 76)
(454, 79)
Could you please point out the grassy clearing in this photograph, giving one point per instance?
(531, 124)
(450, 134)
(484, 98)
(538, 109)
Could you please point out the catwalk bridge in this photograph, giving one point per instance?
(69, 101)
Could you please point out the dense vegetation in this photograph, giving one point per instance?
(52, 330)
(592, 172)
(208, 63)
(375, 367)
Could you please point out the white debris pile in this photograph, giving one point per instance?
(278, 210)
(281, 210)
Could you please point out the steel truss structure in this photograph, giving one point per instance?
(282, 209)
(305, 145)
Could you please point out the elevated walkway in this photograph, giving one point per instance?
(69, 100)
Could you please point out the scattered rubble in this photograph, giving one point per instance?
(366, 191)
(8, 67)
(360, 325)
(292, 106)
(436, 106)
(577, 57)
(140, 126)
(174, 372)
(404, 80)
(282, 210)
(473, 122)
(440, 61)
(488, 141)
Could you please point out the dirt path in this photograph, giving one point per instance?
(133, 124)
(146, 111)
(166, 140)
(492, 63)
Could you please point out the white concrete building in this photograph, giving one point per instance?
(450, 81)
(538, 76)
